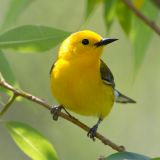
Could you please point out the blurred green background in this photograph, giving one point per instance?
(134, 126)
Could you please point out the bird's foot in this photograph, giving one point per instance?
(55, 110)
(92, 132)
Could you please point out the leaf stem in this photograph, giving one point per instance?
(8, 104)
(30, 97)
(140, 15)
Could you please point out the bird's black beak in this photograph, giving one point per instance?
(105, 41)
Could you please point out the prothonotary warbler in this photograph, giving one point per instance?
(81, 81)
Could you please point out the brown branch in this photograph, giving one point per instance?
(37, 100)
(145, 19)
(156, 3)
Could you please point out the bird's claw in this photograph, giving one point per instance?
(92, 132)
(55, 110)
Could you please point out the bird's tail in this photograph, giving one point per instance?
(120, 98)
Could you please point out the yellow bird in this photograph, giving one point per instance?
(81, 81)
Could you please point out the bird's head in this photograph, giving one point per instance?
(83, 44)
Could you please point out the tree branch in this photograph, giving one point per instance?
(156, 3)
(37, 100)
(150, 23)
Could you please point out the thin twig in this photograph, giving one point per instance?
(8, 104)
(37, 100)
(145, 19)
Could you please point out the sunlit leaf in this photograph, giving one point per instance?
(109, 12)
(127, 156)
(141, 34)
(6, 71)
(31, 142)
(16, 7)
(157, 158)
(90, 6)
(31, 38)
(124, 16)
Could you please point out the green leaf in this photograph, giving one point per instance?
(127, 156)
(109, 12)
(124, 16)
(16, 7)
(90, 6)
(31, 142)
(31, 38)
(6, 71)
(157, 158)
(141, 34)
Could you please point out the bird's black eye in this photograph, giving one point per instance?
(85, 41)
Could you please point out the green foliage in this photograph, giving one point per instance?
(90, 6)
(141, 34)
(124, 16)
(31, 142)
(31, 38)
(158, 158)
(15, 9)
(6, 71)
(127, 156)
(109, 12)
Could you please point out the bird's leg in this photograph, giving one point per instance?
(68, 112)
(55, 110)
(93, 130)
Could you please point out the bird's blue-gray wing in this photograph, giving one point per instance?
(108, 79)
(106, 74)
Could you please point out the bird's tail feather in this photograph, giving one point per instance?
(120, 98)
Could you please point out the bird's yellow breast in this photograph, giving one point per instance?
(78, 86)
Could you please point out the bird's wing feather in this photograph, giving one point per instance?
(108, 79)
(52, 68)
(106, 74)
(121, 98)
